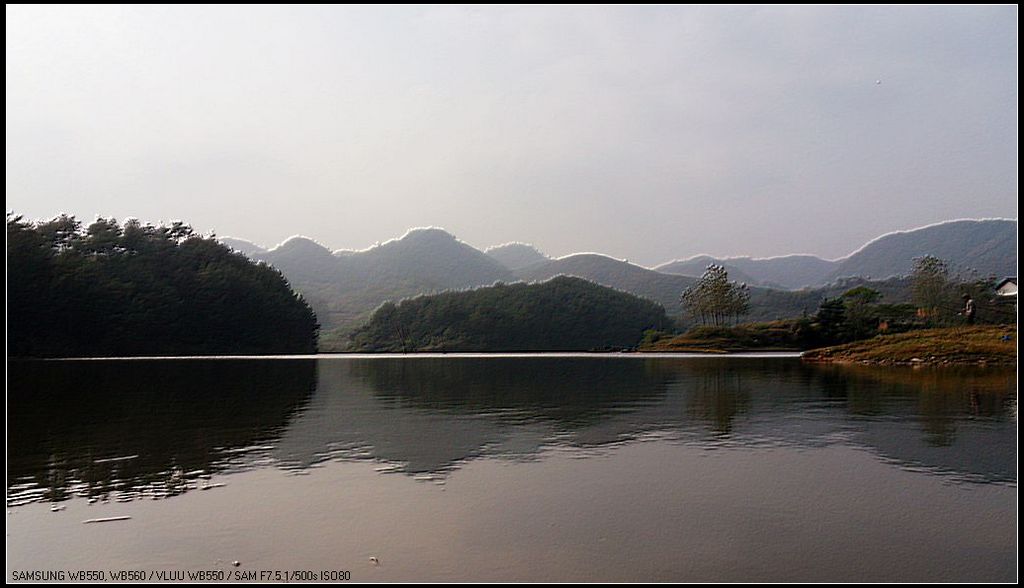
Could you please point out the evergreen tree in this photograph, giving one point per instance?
(112, 290)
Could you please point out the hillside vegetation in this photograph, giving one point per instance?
(562, 314)
(344, 287)
(131, 290)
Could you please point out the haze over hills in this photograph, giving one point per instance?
(789, 272)
(242, 246)
(607, 271)
(344, 287)
(987, 247)
(516, 256)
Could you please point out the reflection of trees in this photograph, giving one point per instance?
(942, 395)
(718, 396)
(67, 420)
(996, 382)
(570, 391)
(434, 412)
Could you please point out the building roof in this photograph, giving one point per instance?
(1007, 287)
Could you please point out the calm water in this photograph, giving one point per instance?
(516, 468)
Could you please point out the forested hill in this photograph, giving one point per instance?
(345, 286)
(136, 290)
(614, 273)
(562, 314)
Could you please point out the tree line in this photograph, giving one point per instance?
(111, 289)
(937, 299)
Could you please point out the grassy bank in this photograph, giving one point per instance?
(773, 336)
(992, 345)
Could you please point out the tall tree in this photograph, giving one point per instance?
(714, 299)
(931, 286)
(861, 313)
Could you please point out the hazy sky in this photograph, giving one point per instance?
(647, 133)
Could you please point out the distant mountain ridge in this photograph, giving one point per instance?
(607, 271)
(985, 246)
(516, 256)
(789, 272)
(344, 287)
(247, 248)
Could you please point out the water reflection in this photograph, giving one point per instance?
(130, 429)
(957, 421)
(126, 430)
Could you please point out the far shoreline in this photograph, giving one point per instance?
(787, 354)
(985, 345)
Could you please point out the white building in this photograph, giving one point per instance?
(1008, 287)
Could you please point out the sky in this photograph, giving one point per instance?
(644, 132)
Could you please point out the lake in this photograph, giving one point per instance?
(511, 468)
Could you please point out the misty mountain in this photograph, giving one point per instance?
(613, 273)
(988, 247)
(790, 272)
(345, 287)
(431, 256)
(301, 260)
(765, 303)
(247, 248)
(695, 266)
(515, 256)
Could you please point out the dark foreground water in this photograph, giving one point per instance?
(512, 468)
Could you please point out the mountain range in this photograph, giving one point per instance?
(985, 247)
(345, 286)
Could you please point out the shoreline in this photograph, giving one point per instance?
(436, 354)
(994, 345)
